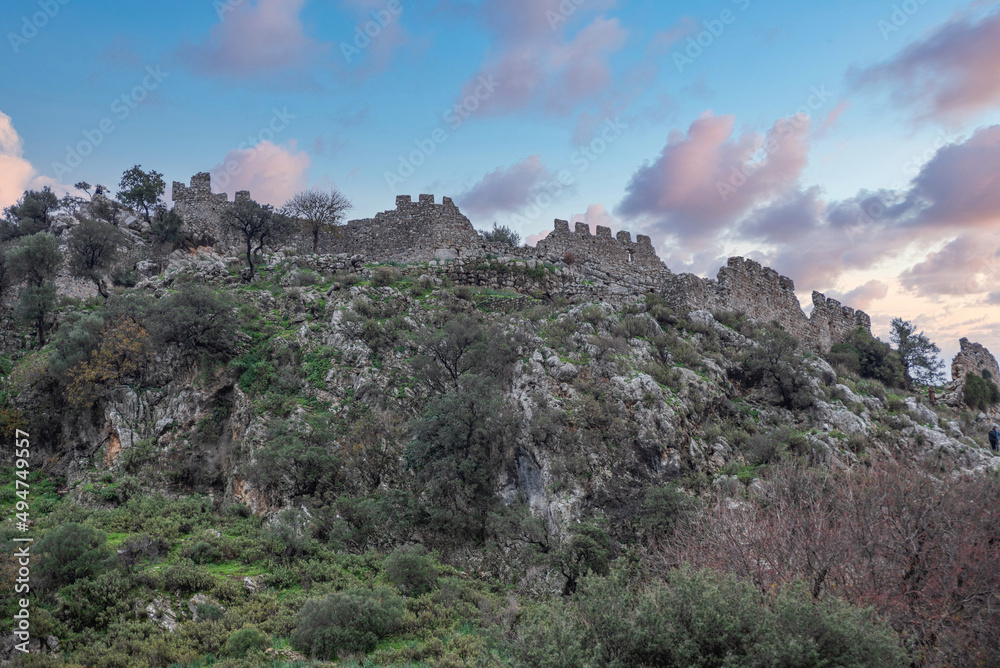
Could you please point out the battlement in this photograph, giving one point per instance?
(616, 256)
(200, 208)
(606, 263)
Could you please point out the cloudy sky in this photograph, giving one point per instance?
(853, 146)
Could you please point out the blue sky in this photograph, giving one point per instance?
(668, 100)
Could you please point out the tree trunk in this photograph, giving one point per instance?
(41, 331)
(250, 257)
(315, 240)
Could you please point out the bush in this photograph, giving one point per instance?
(979, 392)
(350, 621)
(411, 570)
(73, 552)
(187, 578)
(197, 320)
(701, 618)
(124, 277)
(244, 642)
(383, 277)
(502, 235)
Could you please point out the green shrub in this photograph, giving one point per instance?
(383, 277)
(464, 292)
(244, 642)
(979, 392)
(124, 277)
(663, 507)
(187, 577)
(411, 570)
(350, 621)
(72, 552)
(701, 618)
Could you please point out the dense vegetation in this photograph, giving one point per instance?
(345, 474)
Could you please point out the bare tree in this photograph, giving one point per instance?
(319, 211)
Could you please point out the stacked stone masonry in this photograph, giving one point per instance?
(764, 295)
(974, 358)
(201, 209)
(598, 265)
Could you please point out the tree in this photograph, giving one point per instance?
(319, 211)
(35, 260)
(197, 320)
(33, 212)
(777, 362)
(141, 190)
(457, 451)
(93, 248)
(167, 227)
(256, 225)
(917, 353)
(122, 356)
(502, 235)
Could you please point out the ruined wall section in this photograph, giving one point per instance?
(765, 295)
(412, 232)
(200, 208)
(617, 261)
(974, 358)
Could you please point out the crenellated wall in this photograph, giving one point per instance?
(591, 264)
(603, 255)
(412, 232)
(201, 209)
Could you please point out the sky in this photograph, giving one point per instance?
(852, 146)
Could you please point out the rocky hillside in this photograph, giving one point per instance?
(465, 441)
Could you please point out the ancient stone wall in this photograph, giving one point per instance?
(592, 265)
(412, 232)
(974, 358)
(764, 295)
(616, 262)
(201, 209)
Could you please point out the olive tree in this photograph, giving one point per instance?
(33, 212)
(93, 247)
(35, 260)
(140, 189)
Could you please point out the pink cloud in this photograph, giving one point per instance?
(17, 174)
(272, 173)
(862, 296)
(596, 215)
(537, 64)
(665, 39)
(830, 122)
(952, 74)
(708, 178)
(255, 40)
(507, 190)
(969, 264)
(961, 183)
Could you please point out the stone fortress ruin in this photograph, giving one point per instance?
(598, 265)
